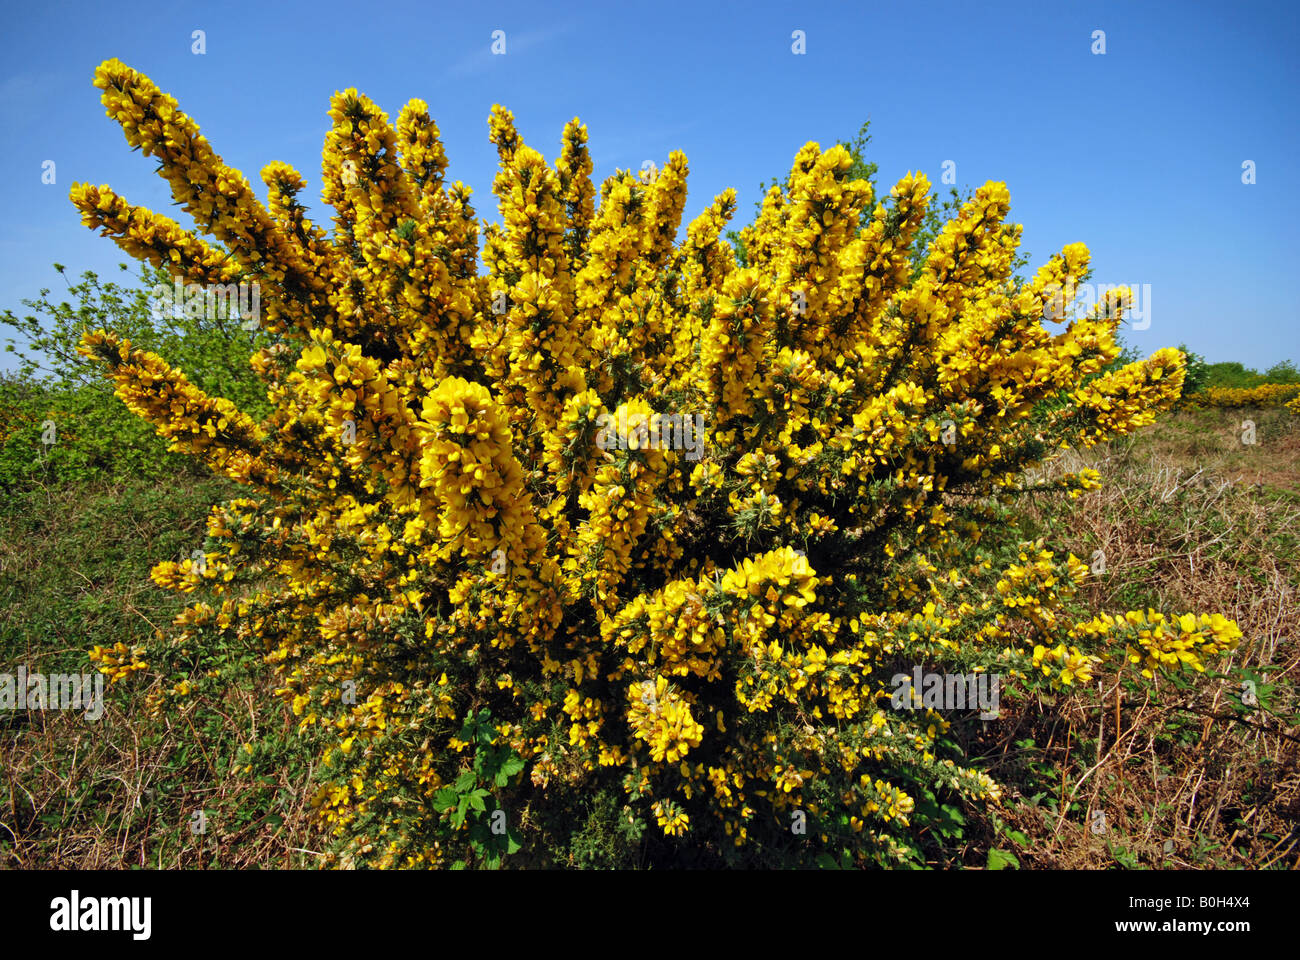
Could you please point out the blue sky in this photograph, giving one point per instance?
(1137, 152)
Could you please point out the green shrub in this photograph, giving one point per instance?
(93, 435)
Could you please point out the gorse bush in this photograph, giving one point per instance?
(1264, 395)
(501, 575)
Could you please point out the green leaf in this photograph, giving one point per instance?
(512, 766)
(1000, 860)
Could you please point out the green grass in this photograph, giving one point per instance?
(123, 790)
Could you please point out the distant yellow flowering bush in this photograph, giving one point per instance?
(474, 497)
(1265, 395)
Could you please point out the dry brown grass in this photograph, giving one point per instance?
(1190, 519)
(120, 791)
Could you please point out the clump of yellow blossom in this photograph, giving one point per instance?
(486, 491)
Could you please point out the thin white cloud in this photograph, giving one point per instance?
(25, 94)
(482, 58)
(618, 150)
